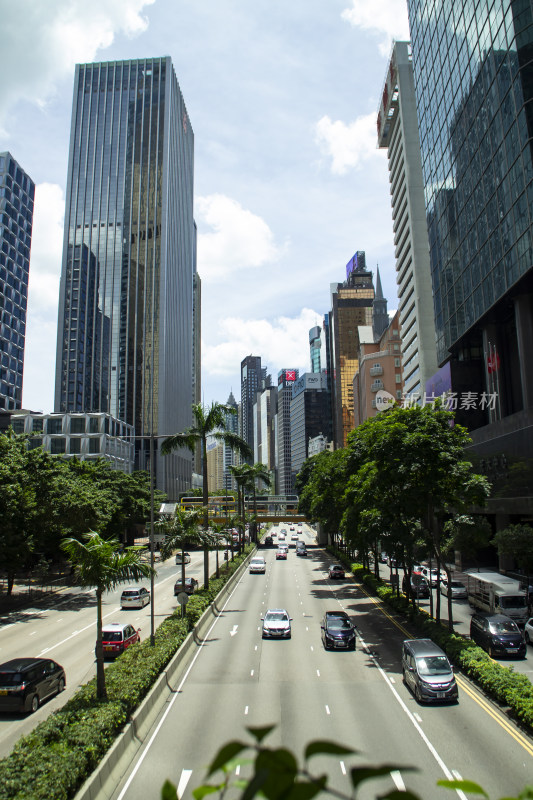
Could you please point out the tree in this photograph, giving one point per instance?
(181, 531)
(322, 498)
(257, 472)
(101, 565)
(412, 462)
(517, 541)
(207, 422)
(240, 475)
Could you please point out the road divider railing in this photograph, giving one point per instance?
(82, 750)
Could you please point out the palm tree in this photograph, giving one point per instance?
(207, 422)
(100, 564)
(241, 475)
(183, 529)
(246, 477)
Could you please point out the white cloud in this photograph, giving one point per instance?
(281, 342)
(43, 293)
(42, 41)
(238, 239)
(387, 18)
(348, 145)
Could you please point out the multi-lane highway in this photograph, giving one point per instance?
(65, 629)
(357, 698)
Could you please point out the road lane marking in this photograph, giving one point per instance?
(318, 673)
(33, 633)
(238, 769)
(233, 631)
(245, 709)
(251, 673)
(398, 781)
(417, 717)
(343, 767)
(327, 710)
(184, 780)
(312, 648)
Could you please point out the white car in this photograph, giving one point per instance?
(134, 597)
(276, 624)
(258, 564)
(183, 558)
(432, 575)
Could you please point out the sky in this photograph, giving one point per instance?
(289, 182)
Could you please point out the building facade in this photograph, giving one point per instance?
(286, 380)
(253, 379)
(474, 98)
(351, 307)
(398, 132)
(17, 194)
(309, 416)
(380, 370)
(83, 436)
(125, 329)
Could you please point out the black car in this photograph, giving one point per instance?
(498, 635)
(301, 550)
(338, 632)
(418, 587)
(269, 542)
(26, 682)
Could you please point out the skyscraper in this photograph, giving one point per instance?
(398, 132)
(474, 97)
(17, 192)
(286, 380)
(125, 330)
(253, 379)
(351, 306)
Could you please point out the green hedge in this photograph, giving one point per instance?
(58, 756)
(499, 682)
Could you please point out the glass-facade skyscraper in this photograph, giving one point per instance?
(17, 192)
(125, 329)
(473, 69)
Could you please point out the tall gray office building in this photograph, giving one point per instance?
(253, 379)
(17, 192)
(125, 329)
(473, 67)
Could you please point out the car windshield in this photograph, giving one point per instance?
(10, 678)
(518, 601)
(131, 593)
(503, 627)
(112, 636)
(339, 625)
(457, 585)
(433, 665)
(336, 566)
(276, 616)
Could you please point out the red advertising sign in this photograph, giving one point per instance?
(290, 374)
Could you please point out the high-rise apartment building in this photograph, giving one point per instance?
(398, 132)
(17, 192)
(253, 378)
(315, 347)
(309, 416)
(286, 380)
(231, 458)
(125, 332)
(265, 430)
(351, 307)
(472, 70)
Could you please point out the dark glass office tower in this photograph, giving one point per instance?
(17, 192)
(253, 379)
(125, 331)
(473, 71)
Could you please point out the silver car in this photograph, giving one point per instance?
(528, 631)
(456, 589)
(135, 597)
(276, 624)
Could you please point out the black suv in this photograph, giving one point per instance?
(338, 633)
(26, 682)
(498, 635)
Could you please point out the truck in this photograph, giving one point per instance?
(497, 594)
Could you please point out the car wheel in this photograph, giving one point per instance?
(526, 637)
(418, 695)
(34, 703)
(404, 679)
(61, 686)
(490, 651)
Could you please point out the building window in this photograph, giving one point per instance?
(34, 443)
(57, 446)
(75, 446)
(18, 425)
(398, 378)
(94, 445)
(93, 425)
(54, 425)
(37, 424)
(399, 394)
(77, 425)
(397, 362)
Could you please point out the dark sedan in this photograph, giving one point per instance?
(336, 571)
(338, 632)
